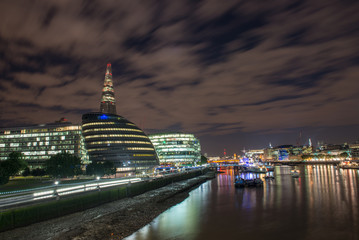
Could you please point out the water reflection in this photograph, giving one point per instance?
(321, 203)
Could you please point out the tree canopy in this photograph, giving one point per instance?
(101, 168)
(203, 160)
(12, 166)
(63, 165)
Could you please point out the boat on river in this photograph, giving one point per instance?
(295, 173)
(269, 168)
(348, 165)
(241, 182)
(269, 177)
(257, 169)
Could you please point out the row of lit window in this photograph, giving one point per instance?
(40, 134)
(129, 148)
(165, 140)
(139, 148)
(40, 130)
(109, 142)
(32, 153)
(175, 146)
(143, 155)
(175, 149)
(178, 156)
(29, 144)
(26, 140)
(116, 135)
(97, 149)
(111, 129)
(104, 123)
(190, 136)
(97, 123)
(177, 160)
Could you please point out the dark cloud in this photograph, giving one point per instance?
(244, 72)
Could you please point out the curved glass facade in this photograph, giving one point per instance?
(109, 137)
(176, 148)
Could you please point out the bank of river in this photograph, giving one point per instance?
(114, 220)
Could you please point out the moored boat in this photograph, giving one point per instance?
(269, 168)
(348, 165)
(240, 182)
(269, 177)
(257, 169)
(295, 173)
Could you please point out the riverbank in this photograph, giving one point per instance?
(114, 220)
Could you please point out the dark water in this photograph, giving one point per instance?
(321, 204)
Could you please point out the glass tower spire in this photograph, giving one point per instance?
(108, 102)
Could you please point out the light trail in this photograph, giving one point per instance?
(30, 196)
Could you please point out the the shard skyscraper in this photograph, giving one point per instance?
(108, 102)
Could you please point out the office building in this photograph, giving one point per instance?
(39, 143)
(176, 148)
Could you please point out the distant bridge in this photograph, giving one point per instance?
(225, 161)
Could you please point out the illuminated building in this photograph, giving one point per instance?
(354, 150)
(177, 148)
(108, 102)
(110, 137)
(255, 154)
(39, 143)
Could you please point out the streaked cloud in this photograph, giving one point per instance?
(210, 67)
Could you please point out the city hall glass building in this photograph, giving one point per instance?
(176, 148)
(39, 143)
(110, 137)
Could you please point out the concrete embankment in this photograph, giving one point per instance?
(114, 220)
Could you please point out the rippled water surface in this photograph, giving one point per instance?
(321, 204)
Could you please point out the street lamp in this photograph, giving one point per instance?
(98, 185)
(56, 193)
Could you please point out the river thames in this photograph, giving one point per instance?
(321, 204)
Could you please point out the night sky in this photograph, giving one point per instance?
(237, 74)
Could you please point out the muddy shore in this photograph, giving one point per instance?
(115, 220)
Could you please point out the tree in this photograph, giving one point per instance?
(63, 165)
(26, 172)
(101, 168)
(4, 177)
(38, 172)
(15, 163)
(203, 160)
(12, 166)
(306, 156)
(344, 155)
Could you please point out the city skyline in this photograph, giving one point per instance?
(236, 74)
